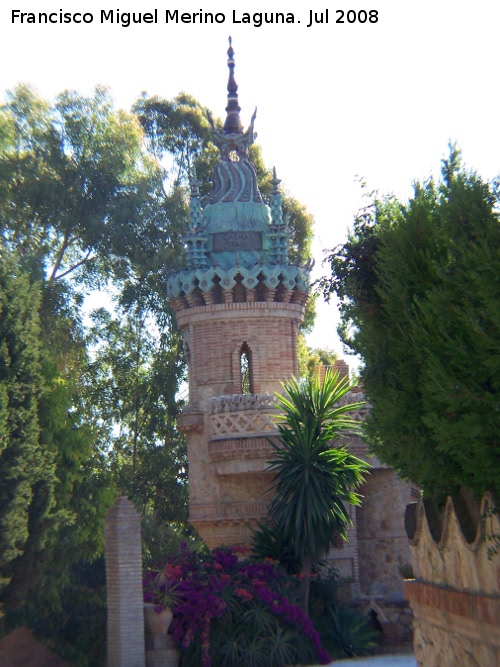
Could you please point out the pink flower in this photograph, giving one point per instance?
(172, 571)
(242, 549)
(243, 594)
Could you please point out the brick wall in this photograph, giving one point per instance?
(215, 335)
(228, 452)
(125, 607)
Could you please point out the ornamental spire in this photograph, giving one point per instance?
(233, 123)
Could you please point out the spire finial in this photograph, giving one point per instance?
(233, 123)
(275, 181)
(194, 183)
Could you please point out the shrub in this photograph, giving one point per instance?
(233, 612)
(347, 633)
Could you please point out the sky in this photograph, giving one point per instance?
(377, 97)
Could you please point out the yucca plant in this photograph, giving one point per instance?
(346, 633)
(315, 476)
(256, 638)
(268, 541)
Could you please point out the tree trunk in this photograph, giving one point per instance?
(305, 584)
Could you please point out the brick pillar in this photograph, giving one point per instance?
(122, 533)
(341, 368)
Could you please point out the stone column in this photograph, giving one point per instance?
(122, 533)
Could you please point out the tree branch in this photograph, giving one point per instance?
(72, 268)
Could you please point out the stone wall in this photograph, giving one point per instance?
(382, 540)
(455, 595)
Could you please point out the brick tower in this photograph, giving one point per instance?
(239, 302)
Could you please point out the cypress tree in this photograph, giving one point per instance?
(419, 293)
(26, 472)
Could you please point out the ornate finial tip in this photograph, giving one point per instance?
(275, 181)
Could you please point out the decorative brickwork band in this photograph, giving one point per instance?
(122, 533)
(482, 608)
(227, 512)
(190, 421)
(240, 448)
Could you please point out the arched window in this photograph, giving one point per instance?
(246, 370)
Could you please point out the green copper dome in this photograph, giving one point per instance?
(235, 236)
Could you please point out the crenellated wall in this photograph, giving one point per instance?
(455, 596)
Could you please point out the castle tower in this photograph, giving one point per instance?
(239, 302)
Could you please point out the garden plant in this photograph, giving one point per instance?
(315, 476)
(234, 612)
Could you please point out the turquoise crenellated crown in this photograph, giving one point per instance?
(235, 237)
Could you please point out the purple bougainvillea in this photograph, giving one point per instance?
(204, 585)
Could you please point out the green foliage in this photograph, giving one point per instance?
(270, 541)
(301, 224)
(178, 129)
(27, 469)
(81, 623)
(312, 481)
(346, 633)
(249, 635)
(135, 376)
(91, 197)
(253, 637)
(53, 484)
(68, 172)
(419, 297)
(311, 358)
(75, 627)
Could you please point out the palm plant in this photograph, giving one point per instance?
(346, 632)
(313, 479)
(268, 541)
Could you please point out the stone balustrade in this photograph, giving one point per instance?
(236, 402)
(242, 416)
(361, 412)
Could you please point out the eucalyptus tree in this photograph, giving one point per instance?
(92, 197)
(69, 173)
(136, 374)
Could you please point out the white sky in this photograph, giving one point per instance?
(379, 100)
